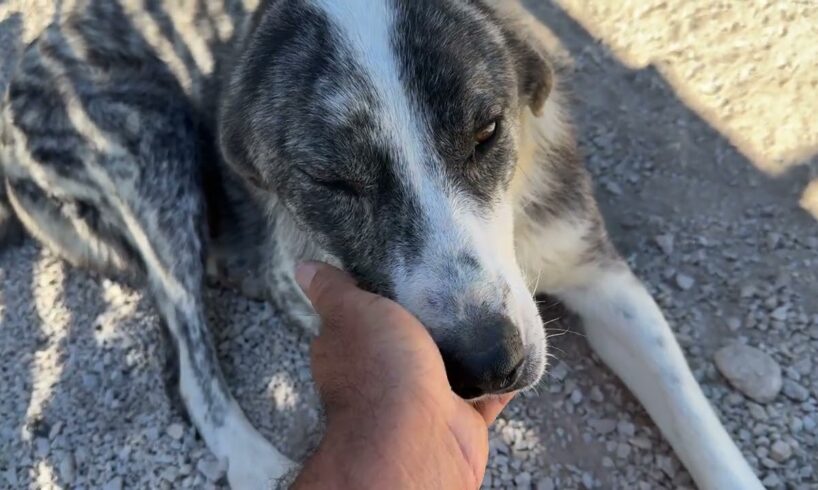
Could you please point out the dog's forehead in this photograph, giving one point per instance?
(421, 70)
(366, 33)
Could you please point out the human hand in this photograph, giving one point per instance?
(392, 418)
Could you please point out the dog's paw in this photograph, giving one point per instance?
(261, 467)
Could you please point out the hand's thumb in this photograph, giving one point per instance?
(324, 285)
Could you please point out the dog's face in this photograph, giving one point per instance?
(389, 130)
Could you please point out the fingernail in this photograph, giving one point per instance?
(304, 273)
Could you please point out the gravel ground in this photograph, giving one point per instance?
(703, 141)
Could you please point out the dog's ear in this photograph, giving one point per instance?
(534, 72)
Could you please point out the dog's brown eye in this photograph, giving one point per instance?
(485, 134)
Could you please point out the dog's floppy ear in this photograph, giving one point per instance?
(534, 71)
(536, 78)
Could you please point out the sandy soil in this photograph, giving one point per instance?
(697, 119)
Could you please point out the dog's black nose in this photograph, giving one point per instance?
(484, 357)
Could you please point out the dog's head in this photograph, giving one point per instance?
(389, 130)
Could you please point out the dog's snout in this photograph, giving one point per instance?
(489, 361)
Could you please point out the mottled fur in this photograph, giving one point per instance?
(341, 134)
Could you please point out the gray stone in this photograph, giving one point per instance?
(113, 484)
(546, 484)
(625, 428)
(665, 243)
(623, 451)
(751, 371)
(596, 395)
(795, 391)
(780, 313)
(523, 480)
(603, 426)
(733, 324)
(684, 281)
(175, 431)
(559, 371)
(780, 451)
(67, 468)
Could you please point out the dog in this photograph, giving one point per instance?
(421, 145)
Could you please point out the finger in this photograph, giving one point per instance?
(337, 300)
(322, 283)
(334, 295)
(490, 408)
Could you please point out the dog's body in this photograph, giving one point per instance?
(444, 177)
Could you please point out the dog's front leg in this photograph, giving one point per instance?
(628, 331)
(171, 251)
(570, 257)
(252, 462)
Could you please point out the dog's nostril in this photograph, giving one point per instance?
(513, 376)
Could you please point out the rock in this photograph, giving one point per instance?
(780, 451)
(751, 371)
(641, 443)
(545, 484)
(795, 391)
(623, 451)
(175, 431)
(596, 395)
(211, 468)
(684, 281)
(559, 371)
(113, 484)
(625, 428)
(758, 412)
(603, 426)
(665, 243)
(780, 313)
(613, 188)
(67, 469)
(771, 481)
(523, 480)
(11, 477)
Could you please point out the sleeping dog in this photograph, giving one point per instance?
(421, 145)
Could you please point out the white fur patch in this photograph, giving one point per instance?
(367, 29)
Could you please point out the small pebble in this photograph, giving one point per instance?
(795, 391)
(684, 281)
(113, 484)
(67, 468)
(523, 480)
(175, 431)
(546, 484)
(780, 451)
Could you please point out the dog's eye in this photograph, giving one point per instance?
(352, 189)
(339, 186)
(485, 135)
